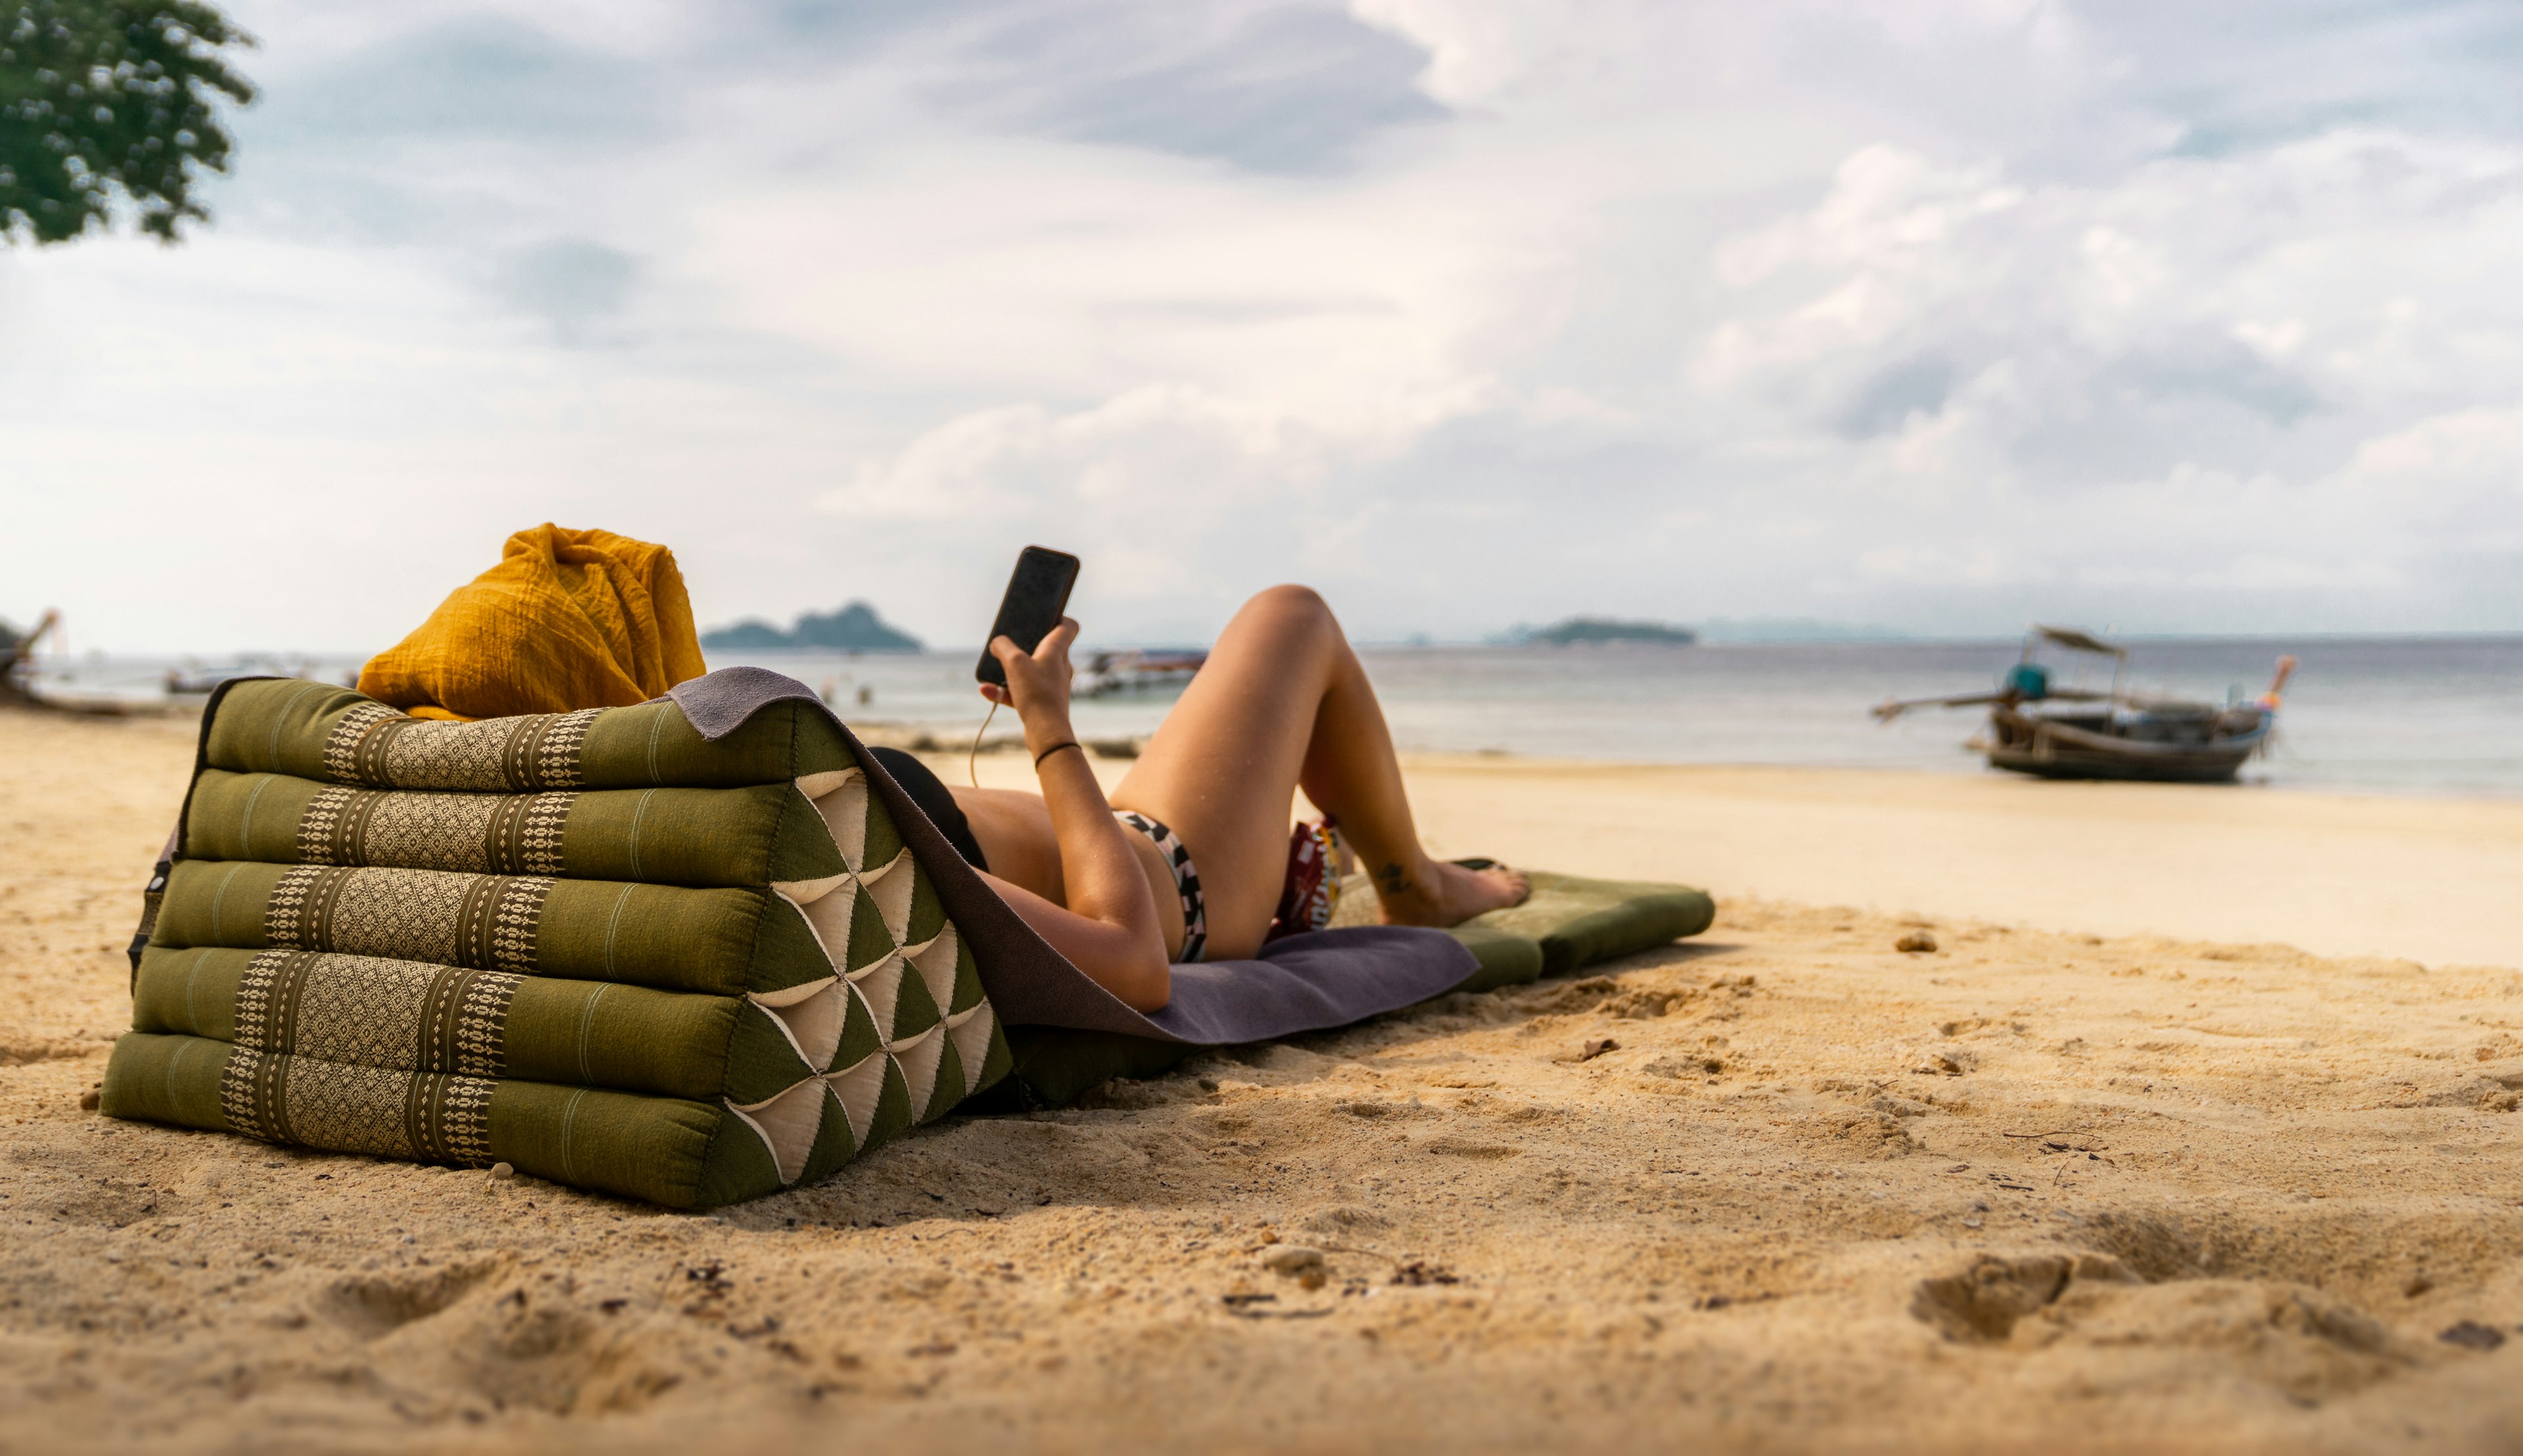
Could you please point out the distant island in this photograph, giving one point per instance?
(855, 628)
(1589, 629)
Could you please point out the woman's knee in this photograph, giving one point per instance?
(1288, 627)
(1293, 604)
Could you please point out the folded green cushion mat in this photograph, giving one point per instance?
(1577, 923)
(1568, 922)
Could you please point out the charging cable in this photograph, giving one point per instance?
(973, 760)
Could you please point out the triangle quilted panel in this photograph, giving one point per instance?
(844, 811)
(892, 1110)
(975, 1035)
(834, 919)
(882, 985)
(927, 913)
(860, 1035)
(814, 1021)
(893, 885)
(860, 1089)
(870, 939)
(935, 962)
(787, 1124)
(836, 1143)
(914, 1011)
(921, 1060)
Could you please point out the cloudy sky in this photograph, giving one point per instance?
(1940, 314)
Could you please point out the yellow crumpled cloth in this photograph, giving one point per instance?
(567, 620)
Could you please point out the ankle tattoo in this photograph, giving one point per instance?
(1392, 880)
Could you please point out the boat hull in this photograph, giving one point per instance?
(2048, 749)
(2195, 767)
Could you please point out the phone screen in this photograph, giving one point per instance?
(1037, 596)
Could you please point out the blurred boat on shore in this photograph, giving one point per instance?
(18, 661)
(2052, 732)
(192, 680)
(1136, 670)
(21, 685)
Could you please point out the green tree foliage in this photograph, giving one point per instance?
(105, 95)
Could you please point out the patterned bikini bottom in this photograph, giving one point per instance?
(1195, 908)
(1306, 895)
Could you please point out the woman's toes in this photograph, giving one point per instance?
(1506, 887)
(1473, 892)
(1451, 895)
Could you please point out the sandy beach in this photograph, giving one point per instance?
(2195, 1131)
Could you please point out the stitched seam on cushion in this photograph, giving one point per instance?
(639, 815)
(192, 982)
(282, 717)
(612, 925)
(656, 729)
(709, 1151)
(753, 942)
(220, 897)
(727, 1050)
(246, 833)
(586, 1022)
(175, 1063)
(568, 1128)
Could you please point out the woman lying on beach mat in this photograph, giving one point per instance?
(1190, 858)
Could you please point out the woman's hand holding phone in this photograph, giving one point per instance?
(1105, 919)
(1038, 683)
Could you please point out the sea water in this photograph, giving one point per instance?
(2382, 714)
(2399, 715)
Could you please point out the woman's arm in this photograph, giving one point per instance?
(1109, 928)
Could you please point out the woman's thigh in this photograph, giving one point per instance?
(1221, 771)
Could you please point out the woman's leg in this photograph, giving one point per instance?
(1283, 702)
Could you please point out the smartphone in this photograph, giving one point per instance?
(1037, 598)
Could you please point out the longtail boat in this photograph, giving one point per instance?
(2053, 733)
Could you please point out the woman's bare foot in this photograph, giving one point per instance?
(1441, 894)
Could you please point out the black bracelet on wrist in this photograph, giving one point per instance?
(1055, 748)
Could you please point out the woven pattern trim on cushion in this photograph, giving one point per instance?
(767, 834)
(444, 1018)
(668, 1150)
(335, 735)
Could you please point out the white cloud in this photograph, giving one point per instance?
(1942, 314)
(1476, 49)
